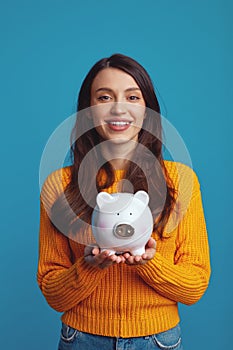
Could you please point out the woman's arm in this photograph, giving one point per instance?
(186, 278)
(63, 283)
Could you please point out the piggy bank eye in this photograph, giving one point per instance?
(130, 213)
(117, 213)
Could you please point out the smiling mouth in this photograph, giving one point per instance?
(119, 123)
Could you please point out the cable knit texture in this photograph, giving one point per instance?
(123, 300)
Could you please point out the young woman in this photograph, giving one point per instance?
(121, 301)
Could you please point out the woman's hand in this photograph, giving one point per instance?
(150, 249)
(94, 257)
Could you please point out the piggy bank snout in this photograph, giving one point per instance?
(123, 230)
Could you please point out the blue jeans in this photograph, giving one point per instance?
(72, 339)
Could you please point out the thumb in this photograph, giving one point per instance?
(151, 243)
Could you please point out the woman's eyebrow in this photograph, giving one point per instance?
(103, 89)
(110, 90)
(133, 89)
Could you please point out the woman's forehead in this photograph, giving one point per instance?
(113, 78)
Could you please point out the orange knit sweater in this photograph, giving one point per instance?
(123, 300)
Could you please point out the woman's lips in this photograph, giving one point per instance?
(117, 125)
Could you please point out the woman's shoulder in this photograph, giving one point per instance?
(55, 184)
(59, 177)
(179, 171)
(184, 179)
(176, 167)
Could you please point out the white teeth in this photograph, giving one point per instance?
(119, 123)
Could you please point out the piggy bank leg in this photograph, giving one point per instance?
(111, 252)
(138, 251)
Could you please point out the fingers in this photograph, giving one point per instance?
(89, 250)
(149, 254)
(112, 259)
(133, 259)
(151, 243)
(94, 257)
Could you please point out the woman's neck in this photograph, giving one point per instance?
(118, 154)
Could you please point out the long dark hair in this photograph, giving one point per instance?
(142, 172)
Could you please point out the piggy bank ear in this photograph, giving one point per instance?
(142, 196)
(104, 198)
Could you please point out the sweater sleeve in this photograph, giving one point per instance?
(62, 282)
(186, 278)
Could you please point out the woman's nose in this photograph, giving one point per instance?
(118, 108)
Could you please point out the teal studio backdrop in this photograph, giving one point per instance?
(47, 47)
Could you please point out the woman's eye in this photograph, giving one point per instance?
(134, 98)
(104, 98)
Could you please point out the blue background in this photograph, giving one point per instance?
(47, 47)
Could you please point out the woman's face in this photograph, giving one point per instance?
(119, 105)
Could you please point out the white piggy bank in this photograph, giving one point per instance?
(122, 222)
